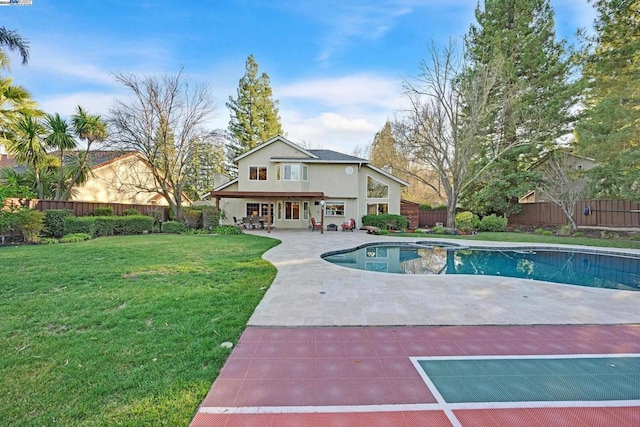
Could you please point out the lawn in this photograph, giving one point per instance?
(122, 330)
(537, 238)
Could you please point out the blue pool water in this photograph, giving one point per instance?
(591, 269)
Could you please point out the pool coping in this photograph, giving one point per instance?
(309, 291)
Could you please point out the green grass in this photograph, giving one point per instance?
(536, 238)
(122, 330)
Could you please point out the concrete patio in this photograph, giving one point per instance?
(309, 291)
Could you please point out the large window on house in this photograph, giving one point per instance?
(377, 208)
(291, 172)
(377, 189)
(257, 173)
(253, 209)
(334, 209)
(291, 210)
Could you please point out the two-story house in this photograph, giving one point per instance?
(290, 185)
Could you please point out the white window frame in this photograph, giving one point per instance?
(377, 205)
(285, 210)
(305, 173)
(258, 168)
(331, 213)
(291, 167)
(305, 210)
(383, 183)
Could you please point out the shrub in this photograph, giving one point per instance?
(135, 224)
(385, 221)
(211, 217)
(440, 207)
(54, 221)
(173, 227)
(466, 221)
(517, 230)
(157, 214)
(80, 224)
(382, 232)
(227, 230)
(29, 223)
(547, 233)
(104, 211)
(439, 230)
(578, 234)
(565, 230)
(49, 241)
(192, 218)
(425, 207)
(493, 223)
(105, 225)
(75, 237)
(539, 231)
(130, 212)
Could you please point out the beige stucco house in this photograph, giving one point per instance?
(571, 161)
(291, 184)
(119, 177)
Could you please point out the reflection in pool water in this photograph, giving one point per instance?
(571, 267)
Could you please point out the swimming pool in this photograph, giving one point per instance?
(583, 268)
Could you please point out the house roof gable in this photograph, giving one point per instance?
(271, 141)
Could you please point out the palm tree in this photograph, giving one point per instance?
(59, 138)
(12, 41)
(15, 101)
(28, 147)
(90, 128)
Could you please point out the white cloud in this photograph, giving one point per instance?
(360, 89)
(94, 102)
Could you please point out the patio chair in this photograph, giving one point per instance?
(315, 225)
(237, 223)
(349, 225)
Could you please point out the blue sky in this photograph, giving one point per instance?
(336, 66)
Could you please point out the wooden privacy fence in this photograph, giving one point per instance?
(599, 213)
(432, 217)
(86, 208)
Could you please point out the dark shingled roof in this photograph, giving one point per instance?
(335, 156)
(96, 158)
(327, 156)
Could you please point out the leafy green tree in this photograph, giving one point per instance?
(14, 42)
(89, 128)
(207, 162)
(28, 147)
(609, 129)
(15, 102)
(60, 138)
(254, 113)
(531, 99)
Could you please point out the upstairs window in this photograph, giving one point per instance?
(257, 173)
(305, 173)
(377, 189)
(291, 173)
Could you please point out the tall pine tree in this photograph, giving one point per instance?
(531, 98)
(609, 130)
(254, 113)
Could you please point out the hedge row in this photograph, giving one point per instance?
(385, 221)
(98, 226)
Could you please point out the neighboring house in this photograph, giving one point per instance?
(571, 161)
(117, 177)
(292, 184)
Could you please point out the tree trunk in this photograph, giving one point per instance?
(451, 214)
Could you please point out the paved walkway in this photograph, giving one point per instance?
(289, 369)
(309, 291)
